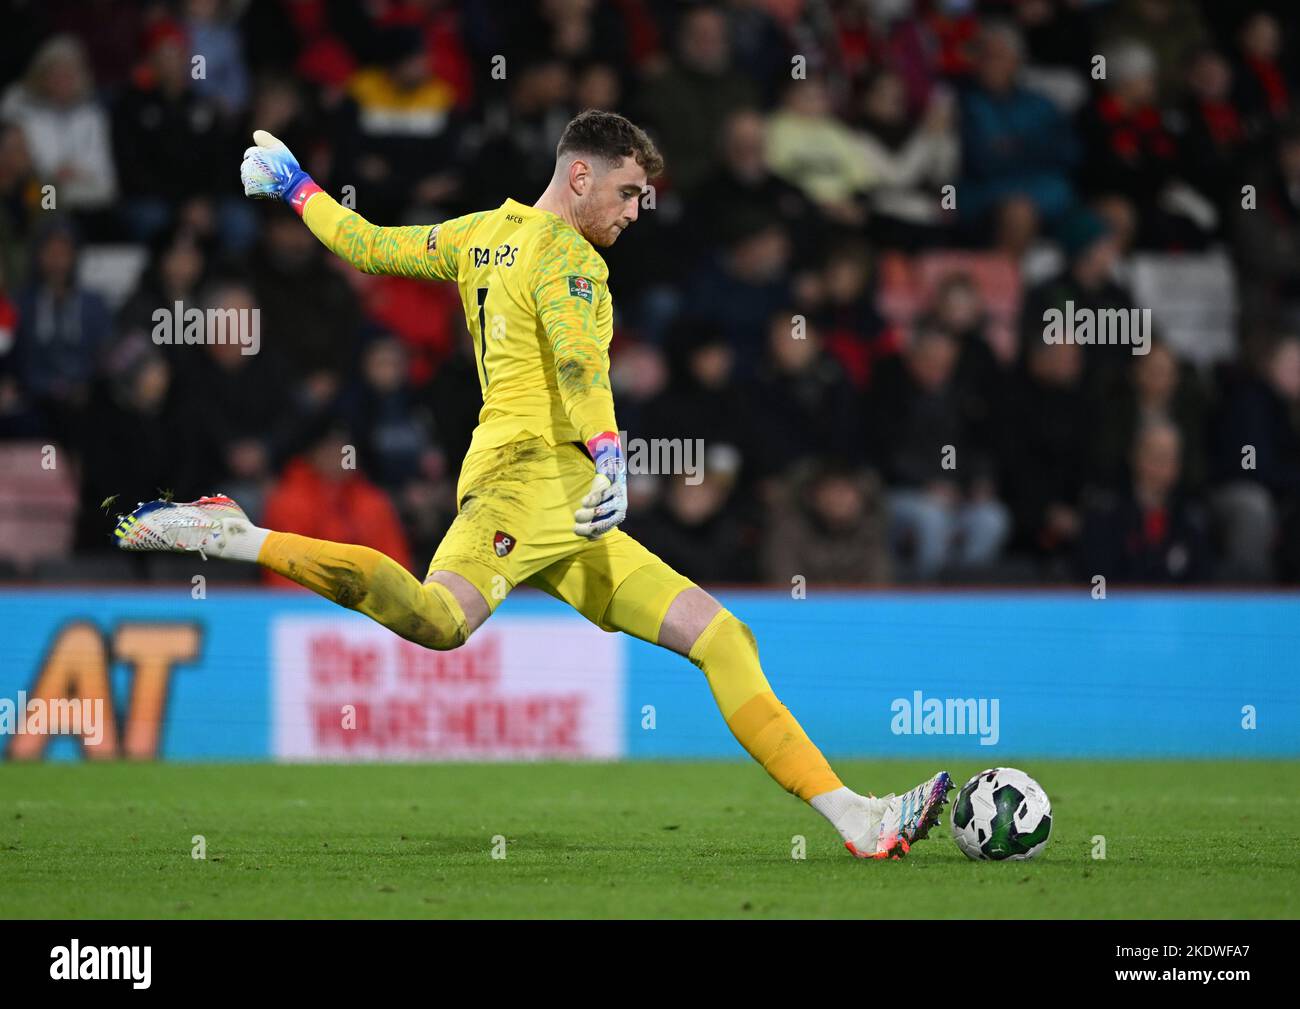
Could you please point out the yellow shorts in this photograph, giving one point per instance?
(514, 526)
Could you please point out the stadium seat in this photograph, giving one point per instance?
(897, 298)
(907, 285)
(1193, 302)
(37, 506)
(112, 271)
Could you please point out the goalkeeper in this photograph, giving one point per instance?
(543, 487)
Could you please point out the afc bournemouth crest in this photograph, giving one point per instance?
(503, 543)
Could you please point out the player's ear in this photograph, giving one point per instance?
(580, 175)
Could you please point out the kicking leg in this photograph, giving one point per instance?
(697, 626)
(440, 614)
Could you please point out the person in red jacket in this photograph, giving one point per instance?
(323, 494)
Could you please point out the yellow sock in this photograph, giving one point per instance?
(728, 655)
(369, 582)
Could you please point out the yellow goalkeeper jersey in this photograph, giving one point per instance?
(536, 299)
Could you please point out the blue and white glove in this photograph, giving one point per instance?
(270, 172)
(605, 505)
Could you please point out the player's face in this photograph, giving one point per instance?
(612, 203)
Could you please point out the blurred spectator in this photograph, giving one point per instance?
(454, 397)
(1171, 29)
(638, 374)
(1014, 143)
(696, 526)
(320, 496)
(1265, 92)
(807, 403)
(702, 398)
(737, 290)
(515, 152)
(686, 105)
(277, 106)
(1056, 34)
(18, 416)
(907, 161)
(1159, 389)
(395, 442)
(210, 26)
(844, 305)
(1131, 152)
(959, 309)
(572, 31)
(935, 460)
(67, 129)
(829, 526)
(253, 415)
(393, 437)
(168, 139)
(1087, 282)
(1045, 451)
(443, 32)
(127, 447)
(811, 149)
(1150, 535)
(890, 33)
(1268, 239)
(951, 27)
(176, 274)
(405, 125)
(761, 45)
(108, 30)
(1212, 137)
(597, 86)
(743, 191)
(311, 317)
(1256, 467)
(19, 202)
(62, 330)
(425, 316)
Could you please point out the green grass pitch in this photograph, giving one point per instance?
(636, 839)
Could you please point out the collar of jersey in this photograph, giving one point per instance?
(521, 208)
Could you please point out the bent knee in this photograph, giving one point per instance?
(725, 633)
(439, 623)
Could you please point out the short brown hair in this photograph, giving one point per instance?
(612, 137)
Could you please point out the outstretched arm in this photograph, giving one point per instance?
(270, 171)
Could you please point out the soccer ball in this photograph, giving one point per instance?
(1001, 814)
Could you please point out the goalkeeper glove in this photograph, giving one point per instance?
(270, 172)
(605, 505)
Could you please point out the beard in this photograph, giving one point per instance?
(597, 232)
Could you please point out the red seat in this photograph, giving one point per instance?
(38, 506)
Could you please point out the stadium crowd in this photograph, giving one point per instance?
(840, 288)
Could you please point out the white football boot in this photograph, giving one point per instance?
(193, 526)
(893, 824)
